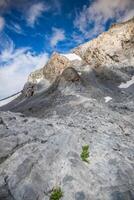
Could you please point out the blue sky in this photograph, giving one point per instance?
(31, 30)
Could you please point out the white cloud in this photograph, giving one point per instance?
(127, 16)
(98, 12)
(2, 23)
(6, 44)
(15, 66)
(15, 27)
(57, 36)
(35, 12)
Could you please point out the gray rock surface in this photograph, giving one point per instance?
(41, 138)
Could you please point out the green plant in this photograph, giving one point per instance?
(85, 153)
(56, 194)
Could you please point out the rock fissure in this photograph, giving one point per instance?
(19, 146)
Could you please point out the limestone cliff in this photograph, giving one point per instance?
(112, 48)
(55, 66)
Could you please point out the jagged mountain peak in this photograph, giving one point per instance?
(112, 48)
(55, 66)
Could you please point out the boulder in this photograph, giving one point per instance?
(70, 74)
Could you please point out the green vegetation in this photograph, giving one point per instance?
(56, 194)
(85, 153)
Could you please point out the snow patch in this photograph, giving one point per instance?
(107, 99)
(127, 84)
(6, 101)
(79, 73)
(72, 56)
(38, 80)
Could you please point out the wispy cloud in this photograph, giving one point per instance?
(92, 19)
(30, 10)
(57, 36)
(35, 11)
(15, 28)
(2, 23)
(128, 15)
(15, 66)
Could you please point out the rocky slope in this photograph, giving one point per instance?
(66, 105)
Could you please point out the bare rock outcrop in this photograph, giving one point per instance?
(36, 76)
(112, 48)
(70, 74)
(55, 66)
(29, 89)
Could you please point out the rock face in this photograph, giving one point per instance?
(42, 137)
(55, 66)
(70, 74)
(29, 89)
(112, 48)
(36, 76)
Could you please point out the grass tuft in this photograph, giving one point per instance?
(85, 153)
(56, 194)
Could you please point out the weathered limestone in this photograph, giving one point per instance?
(112, 48)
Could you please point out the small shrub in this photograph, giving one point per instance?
(56, 194)
(85, 153)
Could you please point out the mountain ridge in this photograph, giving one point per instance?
(93, 53)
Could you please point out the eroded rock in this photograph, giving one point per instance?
(70, 74)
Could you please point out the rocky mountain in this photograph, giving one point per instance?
(69, 134)
(55, 66)
(111, 48)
